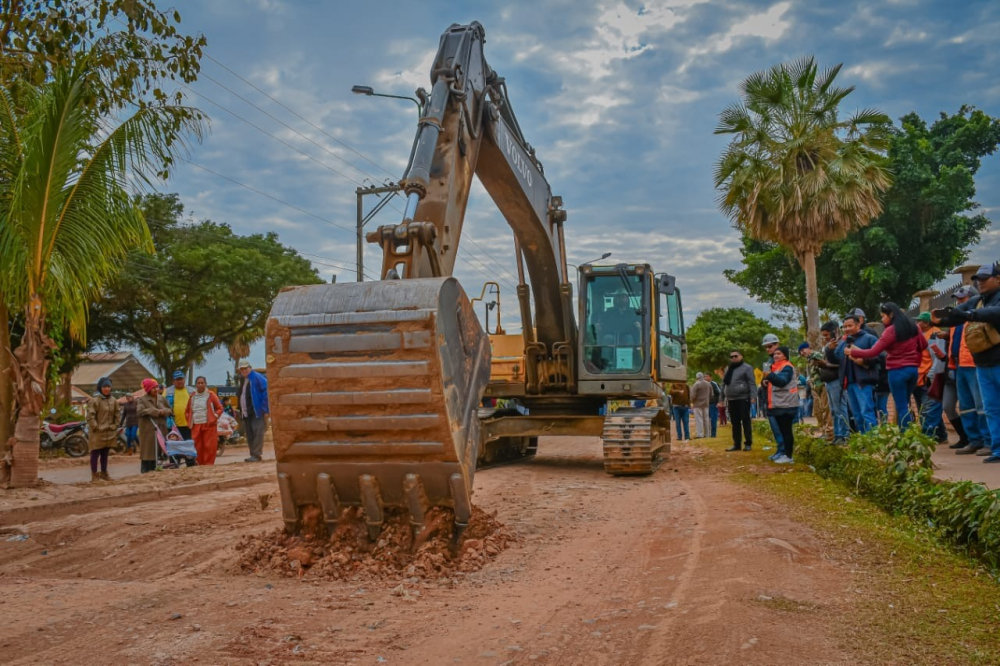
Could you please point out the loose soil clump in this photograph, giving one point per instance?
(349, 553)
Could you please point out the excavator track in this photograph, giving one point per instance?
(505, 450)
(374, 391)
(635, 439)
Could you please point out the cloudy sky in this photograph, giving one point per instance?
(619, 99)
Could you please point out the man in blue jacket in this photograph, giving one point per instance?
(253, 408)
(858, 376)
(984, 308)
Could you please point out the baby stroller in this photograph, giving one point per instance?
(174, 451)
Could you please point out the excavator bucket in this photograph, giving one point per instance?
(374, 388)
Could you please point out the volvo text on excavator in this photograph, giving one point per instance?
(377, 387)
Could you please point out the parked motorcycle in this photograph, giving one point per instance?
(71, 437)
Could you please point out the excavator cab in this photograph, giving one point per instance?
(617, 311)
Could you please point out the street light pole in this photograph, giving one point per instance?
(391, 189)
(368, 92)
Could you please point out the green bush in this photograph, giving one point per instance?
(893, 468)
(762, 428)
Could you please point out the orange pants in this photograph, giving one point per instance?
(206, 441)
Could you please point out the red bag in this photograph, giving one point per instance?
(936, 390)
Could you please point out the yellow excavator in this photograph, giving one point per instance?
(377, 388)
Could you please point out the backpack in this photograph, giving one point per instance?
(980, 336)
(716, 393)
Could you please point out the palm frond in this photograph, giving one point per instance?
(827, 78)
(69, 220)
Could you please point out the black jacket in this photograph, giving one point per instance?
(989, 313)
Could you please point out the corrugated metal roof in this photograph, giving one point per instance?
(89, 373)
(100, 357)
(123, 368)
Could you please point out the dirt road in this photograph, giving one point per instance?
(682, 567)
(77, 470)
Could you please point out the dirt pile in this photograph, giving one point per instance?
(349, 554)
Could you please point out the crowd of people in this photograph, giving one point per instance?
(177, 415)
(943, 364)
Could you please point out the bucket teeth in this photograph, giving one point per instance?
(416, 500)
(371, 500)
(327, 495)
(289, 509)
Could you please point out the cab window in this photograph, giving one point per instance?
(613, 324)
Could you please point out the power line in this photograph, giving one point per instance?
(332, 262)
(286, 125)
(269, 196)
(300, 117)
(490, 257)
(275, 137)
(319, 129)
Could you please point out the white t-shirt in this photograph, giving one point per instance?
(199, 407)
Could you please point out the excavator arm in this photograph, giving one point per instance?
(469, 127)
(375, 386)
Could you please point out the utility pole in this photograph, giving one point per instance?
(391, 189)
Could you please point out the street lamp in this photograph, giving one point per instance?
(369, 92)
(600, 258)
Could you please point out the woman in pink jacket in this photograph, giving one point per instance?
(904, 347)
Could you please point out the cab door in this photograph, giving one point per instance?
(672, 348)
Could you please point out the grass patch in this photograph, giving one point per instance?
(911, 599)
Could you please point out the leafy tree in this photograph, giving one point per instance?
(66, 221)
(928, 225)
(205, 288)
(718, 331)
(795, 173)
(132, 50)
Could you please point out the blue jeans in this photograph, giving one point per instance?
(837, 397)
(132, 437)
(882, 407)
(970, 403)
(862, 400)
(776, 431)
(989, 387)
(681, 416)
(713, 416)
(902, 383)
(930, 414)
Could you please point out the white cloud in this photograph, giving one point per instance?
(900, 35)
(769, 25)
(877, 72)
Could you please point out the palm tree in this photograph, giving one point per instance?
(794, 172)
(67, 220)
(239, 346)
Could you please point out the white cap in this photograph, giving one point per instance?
(769, 339)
